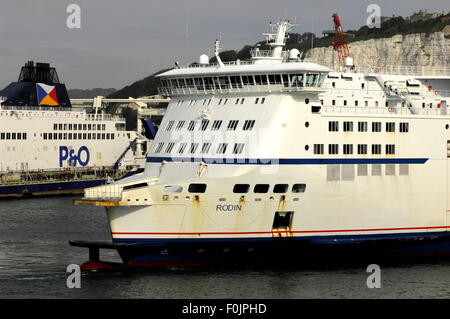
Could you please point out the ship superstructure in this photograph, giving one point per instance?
(49, 147)
(274, 152)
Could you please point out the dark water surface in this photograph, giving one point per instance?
(34, 254)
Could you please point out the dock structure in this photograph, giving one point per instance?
(146, 107)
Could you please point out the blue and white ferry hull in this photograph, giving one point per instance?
(277, 157)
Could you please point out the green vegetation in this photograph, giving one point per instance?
(90, 93)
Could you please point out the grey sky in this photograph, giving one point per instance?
(122, 41)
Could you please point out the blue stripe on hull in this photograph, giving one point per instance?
(289, 161)
(266, 249)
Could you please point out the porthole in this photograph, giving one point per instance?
(307, 124)
(306, 147)
(446, 126)
(306, 101)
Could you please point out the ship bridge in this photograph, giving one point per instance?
(270, 71)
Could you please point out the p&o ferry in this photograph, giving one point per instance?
(49, 147)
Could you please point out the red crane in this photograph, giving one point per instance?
(341, 43)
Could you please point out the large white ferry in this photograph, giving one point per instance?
(49, 147)
(258, 158)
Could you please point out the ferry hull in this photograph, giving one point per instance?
(283, 251)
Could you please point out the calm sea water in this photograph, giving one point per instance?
(34, 254)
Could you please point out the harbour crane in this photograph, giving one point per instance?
(341, 44)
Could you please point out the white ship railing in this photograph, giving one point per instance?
(60, 113)
(114, 192)
(193, 90)
(401, 70)
(108, 192)
(342, 92)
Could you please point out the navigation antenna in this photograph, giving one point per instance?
(277, 39)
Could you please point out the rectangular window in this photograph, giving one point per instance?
(376, 149)
(193, 148)
(191, 126)
(348, 149)
(318, 148)
(404, 127)
(182, 148)
(248, 125)
(333, 126)
(169, 147)
(280, 188)
(170, 125)
(390, 149)
(204, 125)
(348, 126)
(205, 148)
(261, 188)
(362, 126)
(238, 148)
(180, 125)
(390, 127)
(216, 125)
(241, 188)
(222, 148)
(232, 125)
(197, 188)
(362, 149)
(298, 188)
(159, 147)
(333, 149)
(376, 127)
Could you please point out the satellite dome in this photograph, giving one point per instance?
(204, 59)
(294, 54)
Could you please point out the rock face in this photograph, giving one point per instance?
(406, 50)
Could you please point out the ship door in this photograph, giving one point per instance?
(282, 223)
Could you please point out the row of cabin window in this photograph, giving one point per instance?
(237, 82)
(258, 188)
(366, 103)
(348, 149)
(13, 136)
(78, 127)
(207, 102)
(78, 136)
(333, 126)
(232, 125)
(238, 148)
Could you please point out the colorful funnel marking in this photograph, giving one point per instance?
(46, 95)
